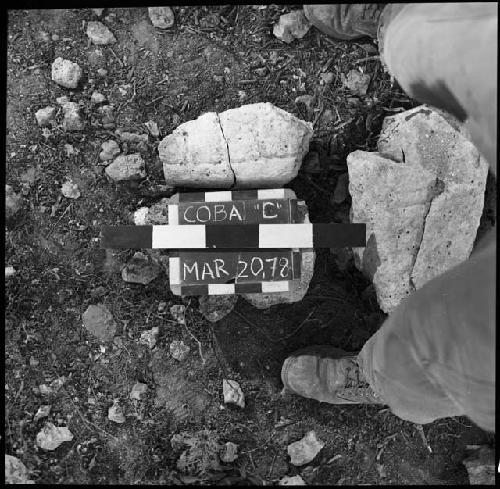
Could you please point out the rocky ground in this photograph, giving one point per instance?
(109, 377)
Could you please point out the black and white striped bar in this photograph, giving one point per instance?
(228, 195)
(241, 236)
(231, 289)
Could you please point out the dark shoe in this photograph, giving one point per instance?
(327, 374)
(345, 20)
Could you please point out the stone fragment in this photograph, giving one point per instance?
(341, 188)
(140, 216)
(139, 391)
(126, 167)
(110, 149)
(421, 198)
(179, 350)
(43, 412)
(98, 11)
(97, 98)
(102, 72)
(16, 472)
(116, 413)
(9, 271)
(131, 137)
(161, 17)
(51, 436)
(257, 145)
(98, 320)
(99, 34)
(72, 120)
(296, 480)
(232, 393)
(305, 450)
(70, 190)
(140, 270)
(66, 73)
(70, 150)
(293, 25)
(13, 202)
(149, 337)
(153, 129)
(326, 78)
(155, 214)
(266, 144)
(44, 117)
(229, 452)
(356, 82)
(178, 312)
(107, 113)
(215, 307)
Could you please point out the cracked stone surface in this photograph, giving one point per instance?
(421, 197)
(255, 145)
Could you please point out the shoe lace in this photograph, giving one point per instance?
(356, 385)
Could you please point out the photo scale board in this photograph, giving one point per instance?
(211, 272)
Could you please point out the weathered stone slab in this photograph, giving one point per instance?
(421, 197)
(257, 145)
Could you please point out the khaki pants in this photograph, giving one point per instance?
(435, 355)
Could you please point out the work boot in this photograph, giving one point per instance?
(345, 20)
(327, 374)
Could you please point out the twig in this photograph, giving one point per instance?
(199, 344)
(260, 446)
(58, 221)
(117, 58)
(251, 460)
(368, 58)
(420, 429)
(269, 473)
(300, 325)
(155, 100)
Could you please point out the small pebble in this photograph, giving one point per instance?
(161, 17)
(110, 149)
(115, 413)
(179, 350)
(232, 393)
(139, 391)
(70, 190)
(9, 271)
(97, 98)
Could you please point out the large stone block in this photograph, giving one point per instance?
(421, 198)
(257, 145)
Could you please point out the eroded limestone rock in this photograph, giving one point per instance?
(421, 198)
